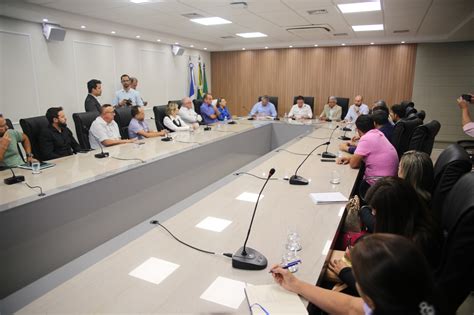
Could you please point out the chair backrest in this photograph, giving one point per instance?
(160, 113)
(197, 106)
(423, 137)
(451, 164)
(176, 101)
(307, 100)
(32, 128)
(468, 145)
(271, 99)
(455, 273)
(123, 115)
(83, 122)
(344, 103)
(402, 134)
(9, 123)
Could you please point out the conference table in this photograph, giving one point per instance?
(184, 183)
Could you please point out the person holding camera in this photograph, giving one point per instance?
(467, 123)
(127, 96)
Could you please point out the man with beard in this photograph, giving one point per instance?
(127, 96)
(9, 139)
(57, 140)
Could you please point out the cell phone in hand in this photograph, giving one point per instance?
(467, 97)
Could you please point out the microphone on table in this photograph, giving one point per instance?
(248, 258)
(102, 154)
(15, 179)
(299, 180)
(344, 137)
(326, 154)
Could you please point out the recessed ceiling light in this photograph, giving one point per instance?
(243, 48)
(139, 1)
(251, 35)
(205, 48)
(372, 43)
(158, 40)
(343, 44)
(316, 45)
(191, 46)
(266, 47)
(45, 20)
(365, 28)
(290, 46)
(83, 26)
(176, 43)
(403, 42)
(211, 21)
(113, 32)
(138, 36)
(360, 7)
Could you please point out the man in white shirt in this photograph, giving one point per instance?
(105, 130)
(300, 110)
(127, 96)
(356, 109)
(187, 113)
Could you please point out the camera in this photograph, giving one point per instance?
(128, 102)
(467, 98)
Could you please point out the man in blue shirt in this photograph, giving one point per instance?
(127, 96)
(138, 127)
(263, 108)
(209, 113)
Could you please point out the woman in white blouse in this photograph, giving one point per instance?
(172, 121)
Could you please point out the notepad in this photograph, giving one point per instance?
(274, 299)
(330, 197)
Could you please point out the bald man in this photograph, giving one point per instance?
(356, 109)
(187, 113)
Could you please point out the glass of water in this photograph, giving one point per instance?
(35, 167)
(335, 177)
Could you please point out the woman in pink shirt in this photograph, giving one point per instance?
(378, 154)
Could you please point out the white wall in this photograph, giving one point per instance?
(443, 72)
(36, 74)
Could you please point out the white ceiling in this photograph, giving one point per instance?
(423, 20)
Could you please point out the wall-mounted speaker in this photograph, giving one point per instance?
(53, 32)
(177, 50)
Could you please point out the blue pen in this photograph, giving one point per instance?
(290, 264)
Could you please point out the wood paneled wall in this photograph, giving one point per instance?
(376, 72)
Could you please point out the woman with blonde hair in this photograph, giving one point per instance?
(172, 121)
(417, 169)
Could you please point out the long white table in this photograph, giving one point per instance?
(137, 191)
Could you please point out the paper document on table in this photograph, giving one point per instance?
(274, 299)
(329, 197)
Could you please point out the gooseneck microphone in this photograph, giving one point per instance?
(102, 154)
(344, 137)
(326, 154)
(248, 258)
(15, 179)
(299, 180)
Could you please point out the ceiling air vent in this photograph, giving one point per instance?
(400, 31)
(340, 34)
(317, 12)
(227, 37)
(192, 15)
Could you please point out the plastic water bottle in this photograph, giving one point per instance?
(225, 120)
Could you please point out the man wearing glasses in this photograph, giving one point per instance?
(127, 96)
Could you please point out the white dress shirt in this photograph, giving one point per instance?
(355, 112)
(101, 130)
(304, 111)
(189, 115)
(168, 122)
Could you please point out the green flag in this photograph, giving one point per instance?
(199, 92)
(204, 83)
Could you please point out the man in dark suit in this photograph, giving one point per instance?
(95, 90)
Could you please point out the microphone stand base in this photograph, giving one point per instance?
(102, 155)
(298, 180)
(254, 260)
(328, 155)
(14, 180)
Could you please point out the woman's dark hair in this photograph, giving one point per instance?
(92, 84)
(399, 210)
(380, 117)
(300, 98)
(135, 110)
(52, 113)
(399, 110)
(364, 123)
(392, 272)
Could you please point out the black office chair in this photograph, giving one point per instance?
(468, 145)
(455, 273)
(9, 123)
(452, 163)
(160, 113)
(177, 102)
(402, 134)
(197, 106)
(273, 100)
(32, 128)
(344, 103)
(123, 115)
(307, 100)
(83, 122)
(423, 137)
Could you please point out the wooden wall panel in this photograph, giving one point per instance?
(376, 72)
